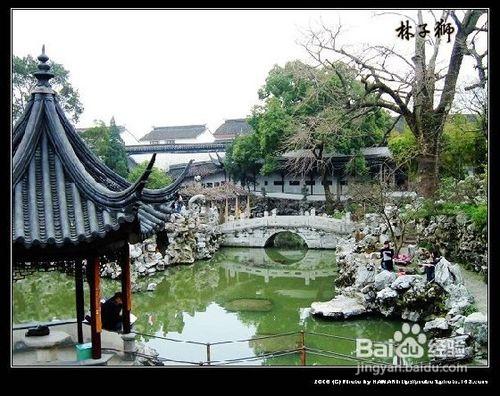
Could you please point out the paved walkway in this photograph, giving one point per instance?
(478, 288)
(66, 354)
(475, 284)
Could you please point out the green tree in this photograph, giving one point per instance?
(106, 143)
(242, 159)
(116, 156)
(272, 123)
(305, 110)
(463, 145)
(157, 178)
(421, 88)
(97, 138)
(23, 83)
(403, 146)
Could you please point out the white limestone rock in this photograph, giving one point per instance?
(341, 307)
(436, 324)
(387, 310)
(151, 247)
(135, 250)
(412, 316)
(365, 274)
(158, 256)
(458, 299)
(455, 321)
(384, 279)
(150, 264)
(386, 294)
(447, 274)
(476, 324)
(405, 282)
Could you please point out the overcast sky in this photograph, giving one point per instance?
(174, 67)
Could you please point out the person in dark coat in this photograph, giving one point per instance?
(430, 266)
(387, 255)
(111, 313)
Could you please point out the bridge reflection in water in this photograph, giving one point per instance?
(278, 263)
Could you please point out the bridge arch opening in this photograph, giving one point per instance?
(285, 247)
(286, 240)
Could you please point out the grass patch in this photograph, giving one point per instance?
(470, 309)
(478, 214)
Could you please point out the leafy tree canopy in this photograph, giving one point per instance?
(116, 157)
(23, 82)
(243, 158)
(304, 108)
(97, 138)
(106, 143)
(157, 178)
(464, 145)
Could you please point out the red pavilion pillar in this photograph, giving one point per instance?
(95, 305)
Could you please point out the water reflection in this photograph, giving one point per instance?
(278, 263)
(219, 300)
(281, 256)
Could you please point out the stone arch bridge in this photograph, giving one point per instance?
(317, 231)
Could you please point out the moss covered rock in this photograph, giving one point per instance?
(249, 304)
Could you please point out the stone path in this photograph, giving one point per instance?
(65, 354)
(479, 289)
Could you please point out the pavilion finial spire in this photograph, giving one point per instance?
(43, 75)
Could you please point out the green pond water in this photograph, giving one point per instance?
(239, 294)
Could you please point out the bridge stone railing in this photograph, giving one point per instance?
(317, 231)
(338, 226)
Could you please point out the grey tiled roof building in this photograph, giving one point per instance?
(174, 132)
(232, 128)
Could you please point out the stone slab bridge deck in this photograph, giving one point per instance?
(319, 232)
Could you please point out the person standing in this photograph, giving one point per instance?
(430, 267)
(387, 255)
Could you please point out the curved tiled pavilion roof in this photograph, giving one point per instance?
(63, 194)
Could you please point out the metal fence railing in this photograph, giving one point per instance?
(301, 348)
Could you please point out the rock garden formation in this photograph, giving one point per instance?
(444, 306)
(191, 236)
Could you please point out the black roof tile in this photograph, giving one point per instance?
(233, 127)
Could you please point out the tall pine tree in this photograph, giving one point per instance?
(116, 157)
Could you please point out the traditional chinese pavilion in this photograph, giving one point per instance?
(69, 208)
